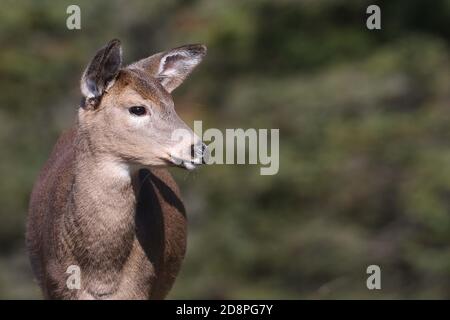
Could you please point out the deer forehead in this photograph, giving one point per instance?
(132, 86)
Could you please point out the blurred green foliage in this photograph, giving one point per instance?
(364, 138)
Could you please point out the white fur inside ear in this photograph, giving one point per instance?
(85, 89)
(183, 64)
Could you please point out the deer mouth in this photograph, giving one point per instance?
(185, 164)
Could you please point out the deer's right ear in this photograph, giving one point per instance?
(101, 73)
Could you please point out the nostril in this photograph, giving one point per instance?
(204, 153)
(193, 151)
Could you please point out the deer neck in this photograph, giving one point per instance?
(103, 201)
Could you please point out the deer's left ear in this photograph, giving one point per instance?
(173, 66)
(101, 72)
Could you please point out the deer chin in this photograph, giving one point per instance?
(189, 165)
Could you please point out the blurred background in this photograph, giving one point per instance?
(364, 119)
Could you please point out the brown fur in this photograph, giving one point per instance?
(152, 246)
(103, 201)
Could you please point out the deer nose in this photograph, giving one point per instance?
(199, 151)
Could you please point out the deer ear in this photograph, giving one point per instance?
(101, 72)
(173, 66)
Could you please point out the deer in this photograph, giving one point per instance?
(105, 201)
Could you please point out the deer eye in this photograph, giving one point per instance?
(138, 110)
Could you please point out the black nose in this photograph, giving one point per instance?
(199, 151)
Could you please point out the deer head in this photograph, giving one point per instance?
(128, 112)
